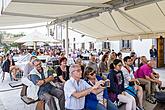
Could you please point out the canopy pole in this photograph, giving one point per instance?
(2, 7)
(34, 45)
(67, 41)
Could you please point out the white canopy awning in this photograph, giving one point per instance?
(32, 44)
(36, 37)
(29, 11)
(143, 22)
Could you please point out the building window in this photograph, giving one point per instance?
(68, 43)
(82, 35)
(58, 31)
(74, 46)
(83, 45)
(106, 45)
(63, 42)
(126, 45)
(91, 45)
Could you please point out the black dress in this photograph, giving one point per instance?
(6, 65)
(64, 74)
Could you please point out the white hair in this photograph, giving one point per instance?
(72, 68)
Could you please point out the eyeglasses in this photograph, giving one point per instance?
(39, 64)
(79, 62)
(92, 73)
(78, 70)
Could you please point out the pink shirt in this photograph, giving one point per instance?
(144, 70)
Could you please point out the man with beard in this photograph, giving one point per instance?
(130, 81)
(46, 91)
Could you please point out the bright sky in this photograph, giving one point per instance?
(22, 28)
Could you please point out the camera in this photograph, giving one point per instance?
(106, 84)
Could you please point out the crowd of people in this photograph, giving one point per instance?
(97, 85)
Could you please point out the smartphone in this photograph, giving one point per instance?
(107, 84)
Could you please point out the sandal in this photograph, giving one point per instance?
(151, 100)
(15, 79)
(162, 88)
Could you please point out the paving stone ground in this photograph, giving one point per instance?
(10, 98)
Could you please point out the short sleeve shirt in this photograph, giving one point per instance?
(144, 70)
(70, 87)
(128, 75)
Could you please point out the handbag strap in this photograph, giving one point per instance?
(131, 91)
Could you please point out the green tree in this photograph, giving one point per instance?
(14, 45)
(5, 34)
(19, 35)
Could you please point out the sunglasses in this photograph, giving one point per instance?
(92, 73)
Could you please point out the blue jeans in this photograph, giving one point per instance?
(110, 106)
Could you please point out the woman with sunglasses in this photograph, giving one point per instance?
(116, 91)
(99, 100)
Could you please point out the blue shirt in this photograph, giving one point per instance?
(70, 87)
(91, 100)
(45, 88)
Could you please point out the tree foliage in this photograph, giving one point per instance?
(8, 46)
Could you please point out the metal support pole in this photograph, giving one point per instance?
(67, 41)
(2, 6)
(35, 45)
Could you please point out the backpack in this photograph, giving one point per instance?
(160, 97)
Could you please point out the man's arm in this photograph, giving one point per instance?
(46, 80)
(34, 78)
(86, 92)
(156, 75)
(82, 93)
(99, 88)
(149, 76)
(49, 79)
(152, 80)
(95, 89)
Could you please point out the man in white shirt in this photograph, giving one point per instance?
(75, 89)
(70, 60)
